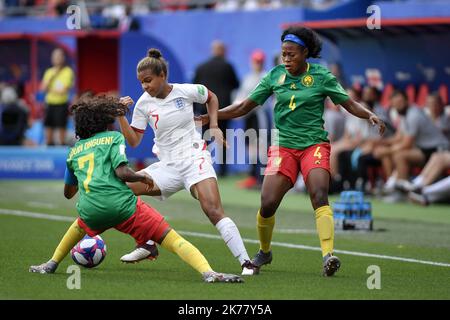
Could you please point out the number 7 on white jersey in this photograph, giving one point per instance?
(156, 116)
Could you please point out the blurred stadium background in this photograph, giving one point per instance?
(410, 52)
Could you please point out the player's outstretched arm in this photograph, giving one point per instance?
(126, 174)
(213, 108)
(237, 110)
(362, 112)
(212, 105)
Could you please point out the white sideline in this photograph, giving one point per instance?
(37, 215)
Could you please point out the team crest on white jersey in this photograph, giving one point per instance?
(179, 103)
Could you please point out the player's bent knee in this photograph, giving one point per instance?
(268, 200)
(319, 197)
(268, 206)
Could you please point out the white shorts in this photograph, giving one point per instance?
(172, 177)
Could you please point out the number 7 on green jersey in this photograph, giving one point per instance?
(81, 161)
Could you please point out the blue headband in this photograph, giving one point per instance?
(294, 38)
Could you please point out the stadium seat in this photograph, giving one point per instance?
(443, 93)
(386, 95)
(373, 172)
(411, 93)
(422, 95)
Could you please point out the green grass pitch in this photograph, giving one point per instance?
(401, 230)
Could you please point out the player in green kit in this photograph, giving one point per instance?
(97, 167)
(300, 89)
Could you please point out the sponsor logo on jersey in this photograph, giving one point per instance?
(179, 103)
(308, 80)
(122, 149)
(201, 90)
(293, 86)
(281, 79)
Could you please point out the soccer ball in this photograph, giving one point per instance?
(89, 252)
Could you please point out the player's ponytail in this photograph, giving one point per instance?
(154, 62)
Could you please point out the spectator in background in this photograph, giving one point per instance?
(336, 70)
(435, 109)
(419, 139)
(14, 118)
(17, 7)
(232, 5)
(382, 151)
(115, 15)
(359, 140)
(349, 140)
(277, 59)
(371, 97)
(256, 119)
(219, 76)
(58, 7)
(423, 191)
(334, 121)
(57, 83)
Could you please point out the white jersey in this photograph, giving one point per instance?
(172, 121)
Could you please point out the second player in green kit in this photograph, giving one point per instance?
(302, 146)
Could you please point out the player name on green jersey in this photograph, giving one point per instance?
(299, 106)
(90, 144)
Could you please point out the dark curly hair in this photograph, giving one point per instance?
(93, 114)
(309, 37)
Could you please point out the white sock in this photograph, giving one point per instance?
(418, 181)
(230, 234)
(438, 191)
(390, 183)
(300, 184)
(405, 184)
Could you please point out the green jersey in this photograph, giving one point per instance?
(104, 199)
(299, 104)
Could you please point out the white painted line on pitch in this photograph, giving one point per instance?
(300, 246)
(37, 204)
(37, 215)
(295, 231)
(314, 231)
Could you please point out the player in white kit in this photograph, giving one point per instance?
(185, 163)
